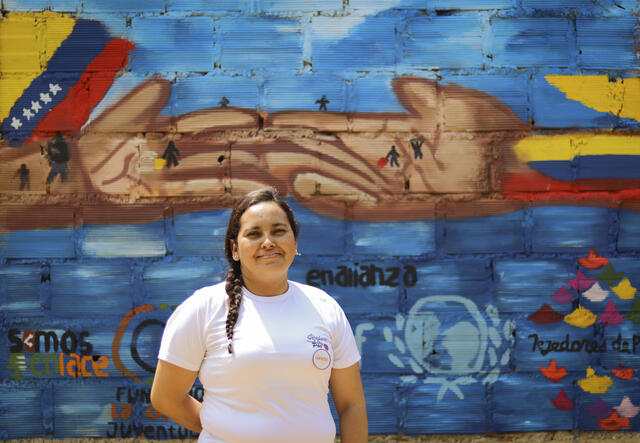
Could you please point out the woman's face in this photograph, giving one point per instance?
(265, 247)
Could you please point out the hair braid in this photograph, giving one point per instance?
(234, 291)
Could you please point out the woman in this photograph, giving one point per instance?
(266, 349)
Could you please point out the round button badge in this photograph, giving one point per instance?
(321, 359)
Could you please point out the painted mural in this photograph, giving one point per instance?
(466, 174)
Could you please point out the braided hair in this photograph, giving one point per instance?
(234, 281)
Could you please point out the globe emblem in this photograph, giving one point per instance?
(460, 349)
(449, 341)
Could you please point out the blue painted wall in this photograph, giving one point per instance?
(460, 318)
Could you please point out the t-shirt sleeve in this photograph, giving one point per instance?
(183, 342)
(345, 350)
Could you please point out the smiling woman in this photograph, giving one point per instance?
(267, 350)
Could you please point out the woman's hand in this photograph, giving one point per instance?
(170, 395)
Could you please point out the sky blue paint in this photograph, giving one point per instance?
(297, 6)
(240, 91)
(467, 278)
(256, 43)
(525, 359)
(439, 42)
(374, 93)
(40, 5)
(220, 6)
(200, 234)
(319, 234)
(20, 405)
(146, 240)
(352, 299)
(550, 108)
(382, 398)
(353, 43)
(173, 282)
(509, 89)
(300, 92)
(516, 408)
(183, 44)
(397, 239)
(84, 410)
(116, 24)
(50, 243)
(531, 42)
(525, 285)
(425, 415)
(607, 43)
(20, 288)
(373, 6)
(85, 289)
(501, 233)
(145, 6)
(581, 5)
(569, 228)
(472, 4)
(629, 230)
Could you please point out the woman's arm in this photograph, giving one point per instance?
(348, 396)
(170, 395)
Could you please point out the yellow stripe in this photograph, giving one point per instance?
(620, 97)
(27, 43)
(566, 147)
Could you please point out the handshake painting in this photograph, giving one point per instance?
(453, 148)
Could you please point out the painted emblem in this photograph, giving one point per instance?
(454, 356)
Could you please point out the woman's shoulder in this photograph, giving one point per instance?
(208, 297)
(315, 294)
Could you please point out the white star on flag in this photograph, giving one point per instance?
(16, 123)
(46, 98)
(36, 106)
(27, 113)
(54, 89)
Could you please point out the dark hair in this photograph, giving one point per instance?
(234, 275)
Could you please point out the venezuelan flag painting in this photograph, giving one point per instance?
(42, 94)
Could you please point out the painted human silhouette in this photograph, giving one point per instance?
(392, 156)
(416, 145)
(170, 154)
(23, 173)
(323, 101)
(57, 154)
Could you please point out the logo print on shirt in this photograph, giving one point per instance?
(321, 358)
(317, 342)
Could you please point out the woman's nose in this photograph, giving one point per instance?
(266, 243)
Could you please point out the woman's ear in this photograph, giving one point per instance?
(234, 250)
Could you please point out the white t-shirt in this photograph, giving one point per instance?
(274, 387)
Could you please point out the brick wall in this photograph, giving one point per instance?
(496, 241)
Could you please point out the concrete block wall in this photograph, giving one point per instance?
(489, 270)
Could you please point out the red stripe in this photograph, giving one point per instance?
(536, 186)
(72, 112)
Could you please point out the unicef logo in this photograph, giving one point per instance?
(450, 342)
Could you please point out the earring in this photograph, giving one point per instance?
(297, 253)
(235, 257)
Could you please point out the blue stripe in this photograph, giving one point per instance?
(66, 66)
(591, 167)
